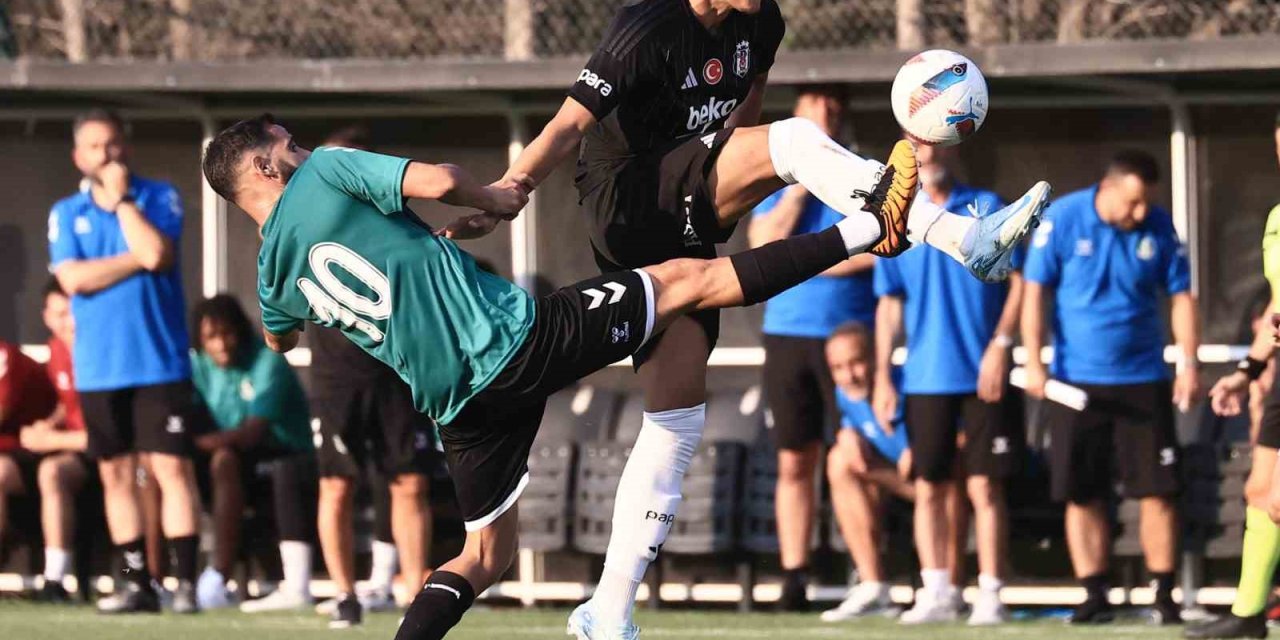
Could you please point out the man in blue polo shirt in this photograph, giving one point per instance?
(797, 382)
(114, 248)
(958, 334)
(1105, 254)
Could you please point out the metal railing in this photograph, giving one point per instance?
(235, 30)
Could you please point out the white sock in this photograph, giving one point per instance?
(802, 153)
(990, 584)
(645, 506)
(858, 235)
(936, 581)
(295, 558)
(55, 564)
(385, 562)
(932, 225)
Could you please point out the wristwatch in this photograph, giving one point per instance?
(1002, 340)
(128, 197)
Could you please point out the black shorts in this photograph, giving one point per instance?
(1269, 433)
(372, 423)
(994, 439)
(576, 331)
(657, 207)
(1126, 430)
(160, 418)
(799, 390)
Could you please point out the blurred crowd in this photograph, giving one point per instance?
(173, 413)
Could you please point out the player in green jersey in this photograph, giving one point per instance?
(341, 249)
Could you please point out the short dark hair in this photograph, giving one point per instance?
(52, 286)
(355, 136)
(1133, 162)
(101, 115)
(222, 156)
(225, 310)
(853, 329)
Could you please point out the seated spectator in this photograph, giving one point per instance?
(262, 418)
(25, 397)
(867, 461)
(59, 440)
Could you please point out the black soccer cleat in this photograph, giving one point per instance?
(347, 612)
(1165, 612)
(794, 598)
(133, 597)
(1093, 611)
(1229, 626)
(52, 592)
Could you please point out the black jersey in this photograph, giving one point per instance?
(659, 75)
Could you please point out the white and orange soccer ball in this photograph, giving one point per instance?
(939, 97)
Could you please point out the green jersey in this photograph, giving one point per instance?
(1271, 252)
(340, 249)
(263, 387)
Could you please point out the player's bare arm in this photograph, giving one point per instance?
(1033, 337)
(884, 398)
(282, 343)
(153, 250)
(450, 184)
(558, 139)
(993, 372)
(1229, 391)
(1185, 324)
(80, 277)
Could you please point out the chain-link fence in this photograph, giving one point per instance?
(81, 30)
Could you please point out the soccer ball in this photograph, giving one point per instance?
(939, 97)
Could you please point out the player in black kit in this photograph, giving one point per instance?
(665, 114)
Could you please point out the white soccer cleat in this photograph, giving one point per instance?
(989, 245)
(583, 627)
(211, 590)
(931, 608)
(864, 599)
(376, 600)
(279, 600)
(988, 610)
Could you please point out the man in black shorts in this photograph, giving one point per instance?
(1107, 255)
(480, 354)
(665, 113)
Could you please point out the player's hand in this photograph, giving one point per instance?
(1036, 379)
(470, 227)
(884, 401)
(904, 465)
(1186, 388)
(113, 177)
(506, 202)
(1228, 392)
(993, 373)
(34, 439)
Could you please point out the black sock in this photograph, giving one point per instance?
(766, 271)
(437, 608)
(1095, 586)
(183, 554)
(1163, 583)
(133, 558)
(797, 578)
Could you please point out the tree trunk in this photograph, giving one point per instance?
(1071, 20)
(910, 25)
(982, 18)
(180, 29)
(73, 30)
(518, 30)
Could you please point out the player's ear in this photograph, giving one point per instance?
(263, 167)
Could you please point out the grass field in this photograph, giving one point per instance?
(20, 621)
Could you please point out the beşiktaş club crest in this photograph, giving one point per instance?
(742, 59)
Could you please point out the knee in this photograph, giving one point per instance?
(409, 486)
(224, 464)
(119, 473)
(335, 491)
(984, 493)
(794, 467)
(52, 477)
(1257, 491)
(170, 470)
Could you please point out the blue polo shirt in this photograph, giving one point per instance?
(815, 307)
(859, 416)
(949, 315)
(134, 332)
(1107, 284)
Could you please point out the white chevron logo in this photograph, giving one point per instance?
(690, 80)
(597, 296)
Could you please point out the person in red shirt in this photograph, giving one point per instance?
(25, 396)
(59, 440)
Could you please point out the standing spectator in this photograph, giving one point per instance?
(796, 325)
(114, 247)
(958, 334)
(363, 415)
(1261, 551)
(1104, 255)
(60, 440)
(261, 413)
(25, 397)
(868, 463)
